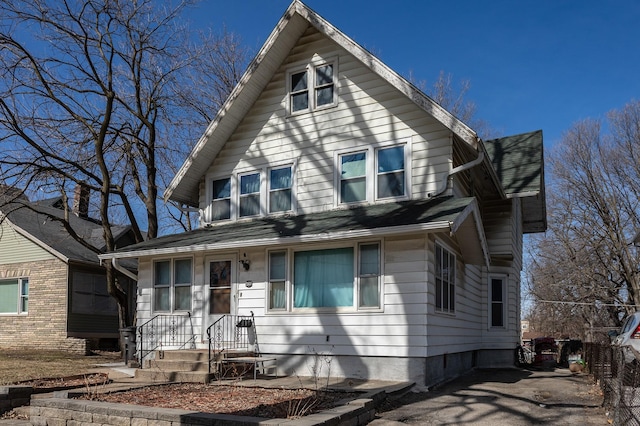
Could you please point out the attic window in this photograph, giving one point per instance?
(299, 92)
(312, 87)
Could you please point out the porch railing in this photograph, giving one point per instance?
(165, 331)
(232, 333)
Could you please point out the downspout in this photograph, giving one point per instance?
(447, 175)
(124, 271)
(194, 210)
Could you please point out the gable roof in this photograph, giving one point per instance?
(459, 216)
(33, 221)
(518, 162)
(297, 18)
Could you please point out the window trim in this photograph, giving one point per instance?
(210, 199)
(22, 296)
(239, 195)
(290, 165)
(452, 285)
(172, 284)
(371, 175)
(265, 191)
(377, 174)
(289, 279)
(310, 68)
(503, 279)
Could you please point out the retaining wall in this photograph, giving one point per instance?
(14, 396)
(72, 412)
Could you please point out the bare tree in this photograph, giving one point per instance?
(454, 99)
(587, 260)
(94, 93)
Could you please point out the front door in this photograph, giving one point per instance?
(220, 285)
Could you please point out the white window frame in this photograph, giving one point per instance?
(270, 280)
(339, 180)
(269, 190)
(22, 296)
(261, 191)
(407, 181)
(452, 284)
(503, 302)
(265, 191)
(312, 84)
(210, 199)
(289, 287)
(172, 284)
(371, 173)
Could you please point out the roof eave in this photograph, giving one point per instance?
(311, 238)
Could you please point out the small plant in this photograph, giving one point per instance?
(302, 407)
(91, 390)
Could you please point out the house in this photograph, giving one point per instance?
(53, 292)
(354, 217)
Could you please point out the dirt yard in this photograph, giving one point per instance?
(53, 370)
(21, 365)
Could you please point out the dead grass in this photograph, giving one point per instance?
(21, 365)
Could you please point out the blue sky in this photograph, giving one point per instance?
(531, 64)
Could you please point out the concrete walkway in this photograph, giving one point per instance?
(502, 397)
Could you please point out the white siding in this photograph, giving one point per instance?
(369, 112)
(462, 330)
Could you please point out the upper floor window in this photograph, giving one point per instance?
(312, 88)
(172, 281)
(353, 177)
(280, 184)
(249, 195)
(299, 96)
(390, 172)
(372, 174)
(253, 193)
(221, 199)
(324, 86)
(14, 296)
(445, 274)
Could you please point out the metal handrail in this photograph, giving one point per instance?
(172, 330)
(231, 332)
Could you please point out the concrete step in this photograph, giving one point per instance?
(161, 376)
(179, 365)
(184, 355)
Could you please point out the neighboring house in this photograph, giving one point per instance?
(352, 215)
(53, 292)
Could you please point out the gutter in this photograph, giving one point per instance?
(123, 270)
(261, 242)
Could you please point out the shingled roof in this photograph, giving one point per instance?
(36, 221)
(458, 215)
(518, 162)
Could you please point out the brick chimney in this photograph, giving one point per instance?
(81, 201)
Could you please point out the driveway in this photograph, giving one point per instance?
(502, 397)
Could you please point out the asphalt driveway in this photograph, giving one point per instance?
(502, 397)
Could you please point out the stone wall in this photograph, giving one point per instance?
(14, 396)
(60, 411)
(44, 326)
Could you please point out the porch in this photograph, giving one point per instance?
(164, 349)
